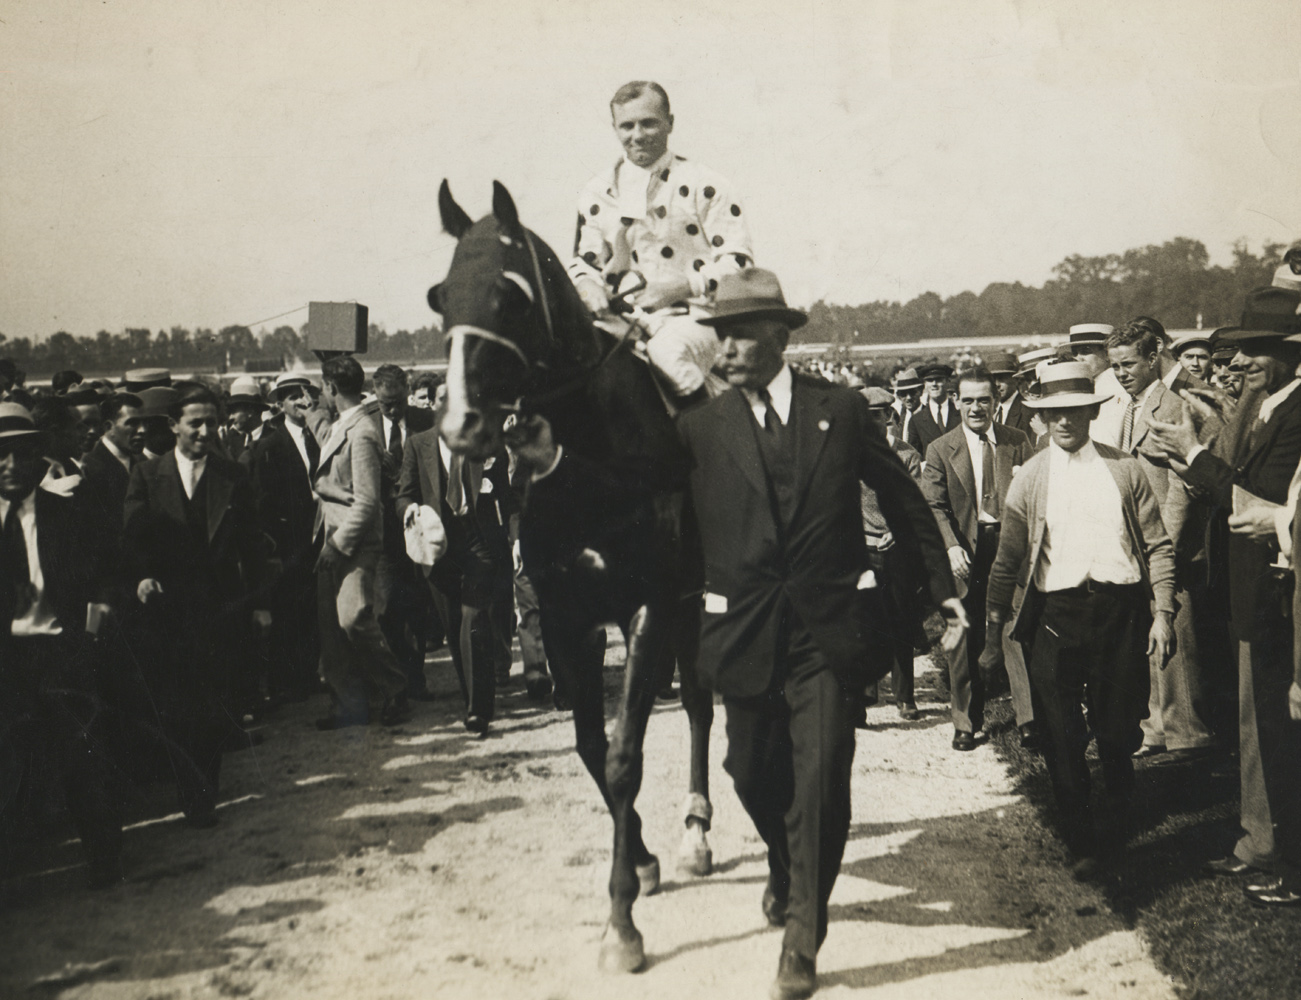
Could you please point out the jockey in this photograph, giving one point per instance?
(676, 224)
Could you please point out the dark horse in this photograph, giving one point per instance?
(601, 532)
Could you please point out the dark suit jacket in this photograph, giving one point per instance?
(417, 420)
(1256, 593)
(755, 566)
(949, 481)
(286, 504)
(70, 555)
(1019, 416)
(925, 428)
(205, 579)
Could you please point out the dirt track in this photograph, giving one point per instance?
(421, 862)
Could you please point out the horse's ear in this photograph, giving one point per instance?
(455, 221)
(503, 206)
(434, 298)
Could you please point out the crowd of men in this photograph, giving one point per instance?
(1107, 529)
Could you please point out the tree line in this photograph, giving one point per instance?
(1173, 282)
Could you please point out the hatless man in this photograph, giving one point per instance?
(356, 660)
(673, 221)
(192, 541)
(1082, 525)
(1174, 722)
(283, 464)
(1250, 483)
(400, 601)
(777, 461)
(50, 717)
(965, 480)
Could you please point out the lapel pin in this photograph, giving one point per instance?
(824, 425)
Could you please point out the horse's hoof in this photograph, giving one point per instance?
(538, 686)
(648, 877)
(620, 955)
(694, 855)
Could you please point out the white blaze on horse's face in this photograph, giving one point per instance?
(465, 425)
(459, 418)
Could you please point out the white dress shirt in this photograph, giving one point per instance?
(1084, 533)
(939, 412)
(779, 391)
(1005, 406)
(39, 618)
(388, 430)
(296, 435)
(191, 472)
(978, 467)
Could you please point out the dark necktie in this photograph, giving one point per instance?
(455, 495)
(395, 442)
(988, 483)
(771, 422)
(313, 451)
(13, 549)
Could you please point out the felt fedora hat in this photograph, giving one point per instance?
(1089, 333)
(908, 379)
(877, 398)
(157, 401)
(752, 294)
(1270, 313)
(16, 421)
(1064, 385)
(1002, 363)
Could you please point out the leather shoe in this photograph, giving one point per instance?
(908, 712)
(1272, 893)
(797, 976)
(1029, 736)
(963, 740)
(774, 905)
(395, 712)
(1232, 865)
(476, 724)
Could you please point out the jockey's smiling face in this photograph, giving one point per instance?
(643, 126)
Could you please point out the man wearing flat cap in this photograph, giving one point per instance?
(1193, 351)
(50, 715)
(1253, 482)
(776, 465)
(283, 464)
(1082, 526)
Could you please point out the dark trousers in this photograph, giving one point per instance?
(894, 614)
(1090, 647)
(530, 625)
(295, 640)
(966, 683)
(1280, 743)
(52, 733)
(399, 606)
(790, 752)
(468, 586)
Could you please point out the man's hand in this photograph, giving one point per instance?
(531, 443)
(659, 294)
(959, 562)
(594, 295)
(1159, 640)
(146, 590)
(1257, 523)
(1174, 441)
(329, 557)
(955, 624)
(991, 657)
(1294, 701)
(1209, 403)
(262, 622)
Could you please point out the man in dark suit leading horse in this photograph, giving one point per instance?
(777, 464)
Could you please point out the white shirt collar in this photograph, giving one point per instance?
(973, 439)
(1086, 453)
(779, 391)
(189, 466)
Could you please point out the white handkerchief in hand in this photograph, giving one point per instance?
(425, 537)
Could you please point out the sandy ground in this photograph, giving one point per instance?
(422, 862)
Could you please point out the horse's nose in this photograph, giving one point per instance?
(459, 427)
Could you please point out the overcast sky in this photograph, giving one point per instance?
(206, 164)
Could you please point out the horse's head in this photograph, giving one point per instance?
(510, 313)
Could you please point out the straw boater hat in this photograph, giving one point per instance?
(1181, 344)
(146, 378)
(1064, 385)
(1285, 277)
(1002, 363)
(16, 422)
(291, 380)
(908, 379)
(752, 294)
(1030, 360)
(1090, 333)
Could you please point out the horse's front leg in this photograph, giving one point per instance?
(633, 869)
(695, 857)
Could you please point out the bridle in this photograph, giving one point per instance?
(526, 401)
